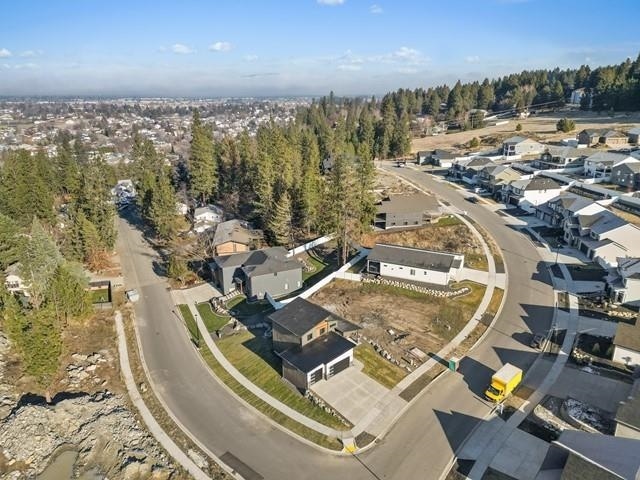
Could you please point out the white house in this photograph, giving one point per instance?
(13, 281)
(514, 147)
(531, 192)
(207, 217)
(627, 344)
(414, 264)
(623, 283)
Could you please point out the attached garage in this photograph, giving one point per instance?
(338, 366)
(315, 376)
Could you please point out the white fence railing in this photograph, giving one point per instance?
(310, 245)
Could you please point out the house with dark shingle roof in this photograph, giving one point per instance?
(309, 340)
(402, 211)
(414, 264)
(258, 272)
(529, 193)
(580, 455)
(589, 136)
(626, 343)
(234, 236)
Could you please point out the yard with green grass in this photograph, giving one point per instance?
(190, 322)
(211, 319)
(240, 307)
(381, 370)
(253, 356)
(321, 267)
(100, 296)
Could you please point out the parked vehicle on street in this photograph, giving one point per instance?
(538, 341)
(471, 199)
(503, 382)
(132, 295)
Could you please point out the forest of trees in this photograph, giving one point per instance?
(607, 88)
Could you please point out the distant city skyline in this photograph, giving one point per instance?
(298, 48)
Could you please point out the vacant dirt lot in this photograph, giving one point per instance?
(448, 235)
(389, 184)
(416, 320)
(542, 127)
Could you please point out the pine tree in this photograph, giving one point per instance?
(67, 293)
(9, 242)
(177, 268)
(162, 207)
(202, 168)
(280, 228)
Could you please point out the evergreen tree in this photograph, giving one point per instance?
(67, 294)
(280, 223)
(9, 241)
(162, 206)
(177, 268)
(202, 168)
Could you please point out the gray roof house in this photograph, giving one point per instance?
(580, 455)
(258, 272)
(634, 135)
(414, 210)
(234, 236)
(309, 340)
(601, 163)
(414, 264)
(626, 175)
(518, 146)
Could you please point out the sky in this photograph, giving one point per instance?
(225, 48)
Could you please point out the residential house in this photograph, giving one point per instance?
(529, 193)
(234, 236)
(402, 211)
(258, 272)
(494, 177)
(438, 158)
(623, 283)
(207, 217)
(516, 147)
(628, 414)
(556, 210)
(414, 264)
(555, 157)
(599, 165)
(626, 344)
(627, 175)
(310, 342)
(468, 168)
(14, 282)
(578, 455)
(613, 138)
(589, 136)
(634, 135)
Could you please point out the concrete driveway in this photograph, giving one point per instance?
(351, 392)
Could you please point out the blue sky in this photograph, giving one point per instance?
(298, 47)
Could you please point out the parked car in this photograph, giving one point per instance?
(471, 199)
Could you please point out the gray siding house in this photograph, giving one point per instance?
(398, 211)
(258, 272)
(309, 340)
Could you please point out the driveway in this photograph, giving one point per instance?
(351, 392)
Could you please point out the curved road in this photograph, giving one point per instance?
(421, 443)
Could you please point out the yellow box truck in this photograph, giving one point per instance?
(503, 382)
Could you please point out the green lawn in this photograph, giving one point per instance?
(212, 320)
(358, 266)
(320, 270)
(381, 370)
(265, 408)
(100, 296)
(190, 322)
(240, 307)
(448, 221)
(253, 356)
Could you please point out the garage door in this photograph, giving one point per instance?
(514, 200)
(584, 248)
(338, 367)
(315, 377)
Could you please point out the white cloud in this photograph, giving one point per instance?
(375, 9)
(330, 2)
(472, 59)
(25, 66)
(4, 53)
(181, 48)
(220, 47)
(407, 70)
(250, 58)
(31, 53)
(350, 67)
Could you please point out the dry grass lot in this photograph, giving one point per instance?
(542, 127)
(430, 322)
(448, 235)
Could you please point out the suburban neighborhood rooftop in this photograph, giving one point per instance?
(300, 316)
(318, 352)
(412, 257)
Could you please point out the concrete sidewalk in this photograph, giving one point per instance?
(152, 425)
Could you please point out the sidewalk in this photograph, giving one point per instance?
(154, 428)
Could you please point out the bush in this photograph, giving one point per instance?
(474, 143)
(519, 127)
(565, 125)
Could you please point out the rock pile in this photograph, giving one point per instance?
(100, 426)
(434, 292)
(85, 368)
(8, 398)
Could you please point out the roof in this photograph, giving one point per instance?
(415, 202)
(607, 221)
(628, 336)
(479, 162)
(515, 139)
(571, 201)
(412, 257)
(592, 131)
(614, 454)
(629, 410)
(569, 152)
(634, 131)
(443, 154)
(607, 157)
(259, 262)
(300, 316)
(536, 183)
(317, 352)
(208, 208)
(234, 231)
(613, 134)
(631, 166)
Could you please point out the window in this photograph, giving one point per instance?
(310, 336)
(275, 274)
(424, 272)
(286, 286)
(322, 330)
(412, 272)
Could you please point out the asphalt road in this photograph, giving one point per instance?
(419, 446)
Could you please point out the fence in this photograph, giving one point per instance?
(309, 245)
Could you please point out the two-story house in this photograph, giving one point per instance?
(205, 218)
(234, 236)
(403, 211)
(531, 192)
(258, 272)
(438, 158)
(556, 157)
(589, 136)
(599, 165)
(494, 177)
(623, 283)
(556, 210)
(516, 147)
(627, 175)
(309, 340)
